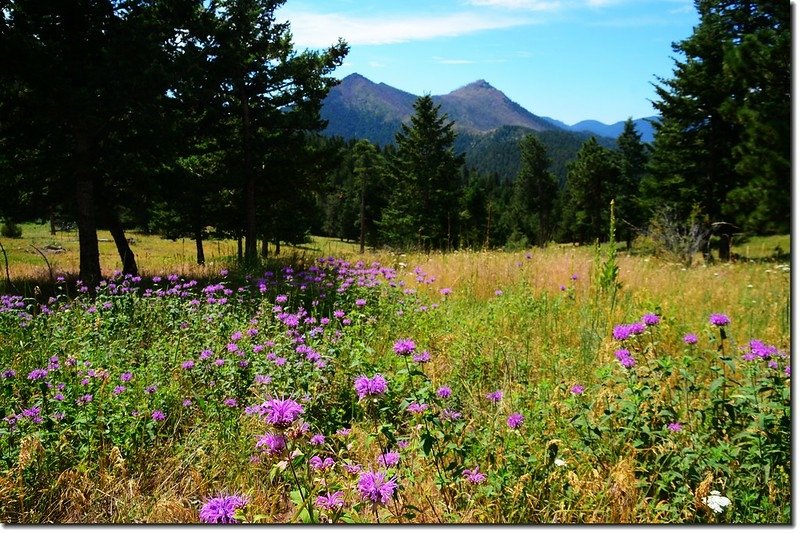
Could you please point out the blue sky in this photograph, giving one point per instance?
(567, 59)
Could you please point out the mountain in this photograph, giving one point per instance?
(643, 126)
(480, 108)
(359, 108)
(489, 125)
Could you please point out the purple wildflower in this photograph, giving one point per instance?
(158, 415)
(331, 501)
(361, 302)
(388, 459)
(718, 319)
(449, 414)
(422, 357)
(274, 444)
(474, 476)
(317, 463)
(515, 420)
(577, 389)
(690, 339)
(404, 346)
(495, 396)
(675, 427)
(317, 439)
(220, 510)
(119, 389)
(8, 373)
(370, 386)
(624, 357)
(37, 373)
(444, 392)
(651, 319)
(231, 402)
(281, 413)
(417, 408)
(621, 332)
(125, 377)
(187, 365)
(374, 487)
(445, 291)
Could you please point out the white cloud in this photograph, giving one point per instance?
(318, 30)
(529, 5)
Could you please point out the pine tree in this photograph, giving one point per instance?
(423, 208)
(535, 192)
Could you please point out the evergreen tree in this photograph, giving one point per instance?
(633, 161)
(423, 208)
(723, 139)
(592, 181)
(272, 95)
(535, 193)
(82, 86)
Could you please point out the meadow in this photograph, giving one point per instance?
(557, 385)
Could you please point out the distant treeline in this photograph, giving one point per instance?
(194, 118)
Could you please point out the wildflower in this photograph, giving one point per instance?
(187, 402)
(675, 427)
(150, 389)
(370, 386)
(83, 400)
(343, 432)
(119, 389)
(444, 392)
(621, 332)
(220, 510)
(8, 373)
(788, 371)
(448, 414)
(317, 463)
(237, 335)
(445, 291)
(716, 502)
(417, 408)
(317, 439)
(352, 468)
(474, 476)
(404, 346)
(274, 444)
(422, 357)
(158, 415)
(187, 365)
(498, 292)
(281, 413)
(331, 501)
(515, 420)
(37, 373)
(495, 396)
(624, 357)
(577, 389)
(374, 487)
(651, 319)
(402, 444)
(361, 302)
(690, 339)
(232, 347)
(388, 459)
(559, 462)
(718, 319)
(205, 354)
(125, 377)
(230, 402)
(263, 379)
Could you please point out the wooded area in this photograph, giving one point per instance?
(190, 118)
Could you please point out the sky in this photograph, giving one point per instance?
(570, 60)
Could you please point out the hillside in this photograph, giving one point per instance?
(488, 123)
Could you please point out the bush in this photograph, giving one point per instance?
(10, 230)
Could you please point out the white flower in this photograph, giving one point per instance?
(716, 502)
(560, 462)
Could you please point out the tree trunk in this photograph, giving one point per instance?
(89, 270)
(123, 248)
(277, 246)
(264, 246)
(250, 243)
(52, 221)
(724, 247)
(362, 218)
(198, 241)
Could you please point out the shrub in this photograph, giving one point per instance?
(10, 230)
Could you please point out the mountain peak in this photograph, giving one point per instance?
(477, 85)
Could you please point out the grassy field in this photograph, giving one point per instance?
(519, 388)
